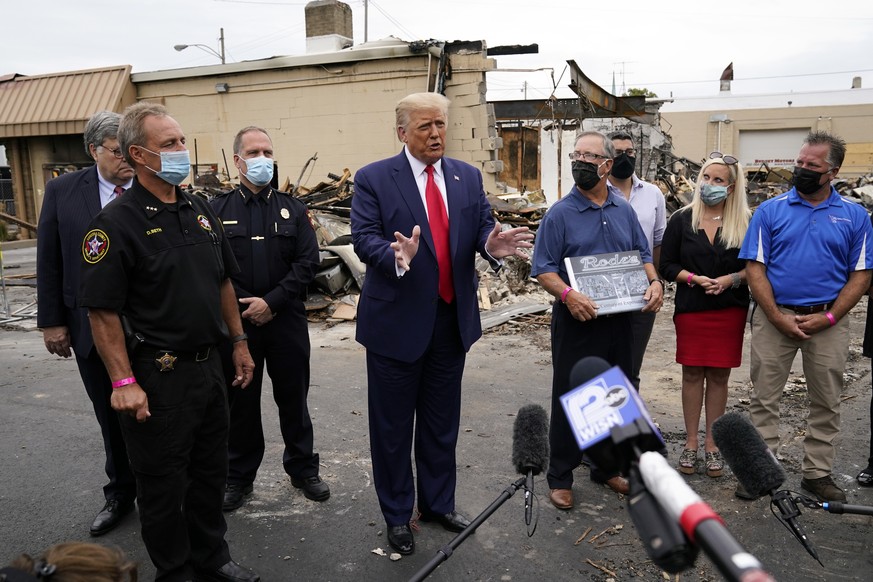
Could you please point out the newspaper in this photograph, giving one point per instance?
(615, 281)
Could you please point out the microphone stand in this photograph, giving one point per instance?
(833, 506)
(787, 502)
(788, 511)
(445, 552)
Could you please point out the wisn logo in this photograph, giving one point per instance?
(595, 407)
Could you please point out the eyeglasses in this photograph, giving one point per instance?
(587, 157)
(117, 153)
(729, 160)
(629, 152)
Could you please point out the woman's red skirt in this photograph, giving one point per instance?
(710, 338)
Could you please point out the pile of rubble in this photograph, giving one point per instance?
(333, 295)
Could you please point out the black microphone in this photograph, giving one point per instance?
(530, 448)
(757, 470)
(748, 456)
(613, 409)
(699, 522)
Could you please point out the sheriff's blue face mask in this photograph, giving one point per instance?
(260, 170)
(175, 166)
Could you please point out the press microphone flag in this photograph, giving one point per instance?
(606, 413)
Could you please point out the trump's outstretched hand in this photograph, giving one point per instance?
(405, 248)
(504, 243)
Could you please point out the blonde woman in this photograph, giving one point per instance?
(700, 252)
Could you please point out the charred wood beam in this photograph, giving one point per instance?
(592, 96)
(513, 49)
(531, 109)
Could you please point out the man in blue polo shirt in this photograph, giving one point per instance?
(590, 220)
(809, 257)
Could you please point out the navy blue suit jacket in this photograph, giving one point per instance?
(396, 315)
(71, 201)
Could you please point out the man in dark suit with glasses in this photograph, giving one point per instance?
(71, 201)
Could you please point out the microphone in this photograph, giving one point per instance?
(530, 448)
(758, 471)
(612, 425)
(697, 519)
(748, 456)
(608, 417)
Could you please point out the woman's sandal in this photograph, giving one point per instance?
(714, 464)
(688, 461)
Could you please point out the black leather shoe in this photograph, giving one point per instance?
(110, 516)
(313, 487)
(234, 496)
(400, 538)
(865, 477)
(453, 521)
(230, 572)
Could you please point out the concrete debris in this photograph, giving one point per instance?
(341, 274)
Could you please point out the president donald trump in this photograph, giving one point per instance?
(418, 219)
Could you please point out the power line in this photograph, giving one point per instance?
(394, 21)
(768, 77)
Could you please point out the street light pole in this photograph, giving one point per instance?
(206, 48)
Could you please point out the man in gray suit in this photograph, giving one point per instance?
(70, 202)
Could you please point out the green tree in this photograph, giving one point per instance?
(633, 92)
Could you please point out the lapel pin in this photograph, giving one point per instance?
(456, 178)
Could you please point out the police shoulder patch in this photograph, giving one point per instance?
(95, 245)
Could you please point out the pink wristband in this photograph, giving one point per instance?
(123, 382)
(691, 276)
(831, 318)
(565, 293)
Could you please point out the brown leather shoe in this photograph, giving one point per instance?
(561, 498)
(824, 488)
(618, 484)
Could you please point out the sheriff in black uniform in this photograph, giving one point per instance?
(156, 258)
(275, 246)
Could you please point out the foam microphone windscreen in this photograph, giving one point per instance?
(530, 440)
(748, 456)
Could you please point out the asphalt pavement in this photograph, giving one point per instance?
(51, 474)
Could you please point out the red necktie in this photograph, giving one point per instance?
(118, 191)
(439, 228)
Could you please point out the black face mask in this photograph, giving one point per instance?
(807, 181)
(585, 175)
(623, 167)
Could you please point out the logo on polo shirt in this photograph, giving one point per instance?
(836, 219)
(95, 245)
(204, 223)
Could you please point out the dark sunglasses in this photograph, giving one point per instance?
(729, 160)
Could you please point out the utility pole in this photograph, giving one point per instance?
(221, 41)
(365, 20)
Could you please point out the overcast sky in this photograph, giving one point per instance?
(672, 47)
